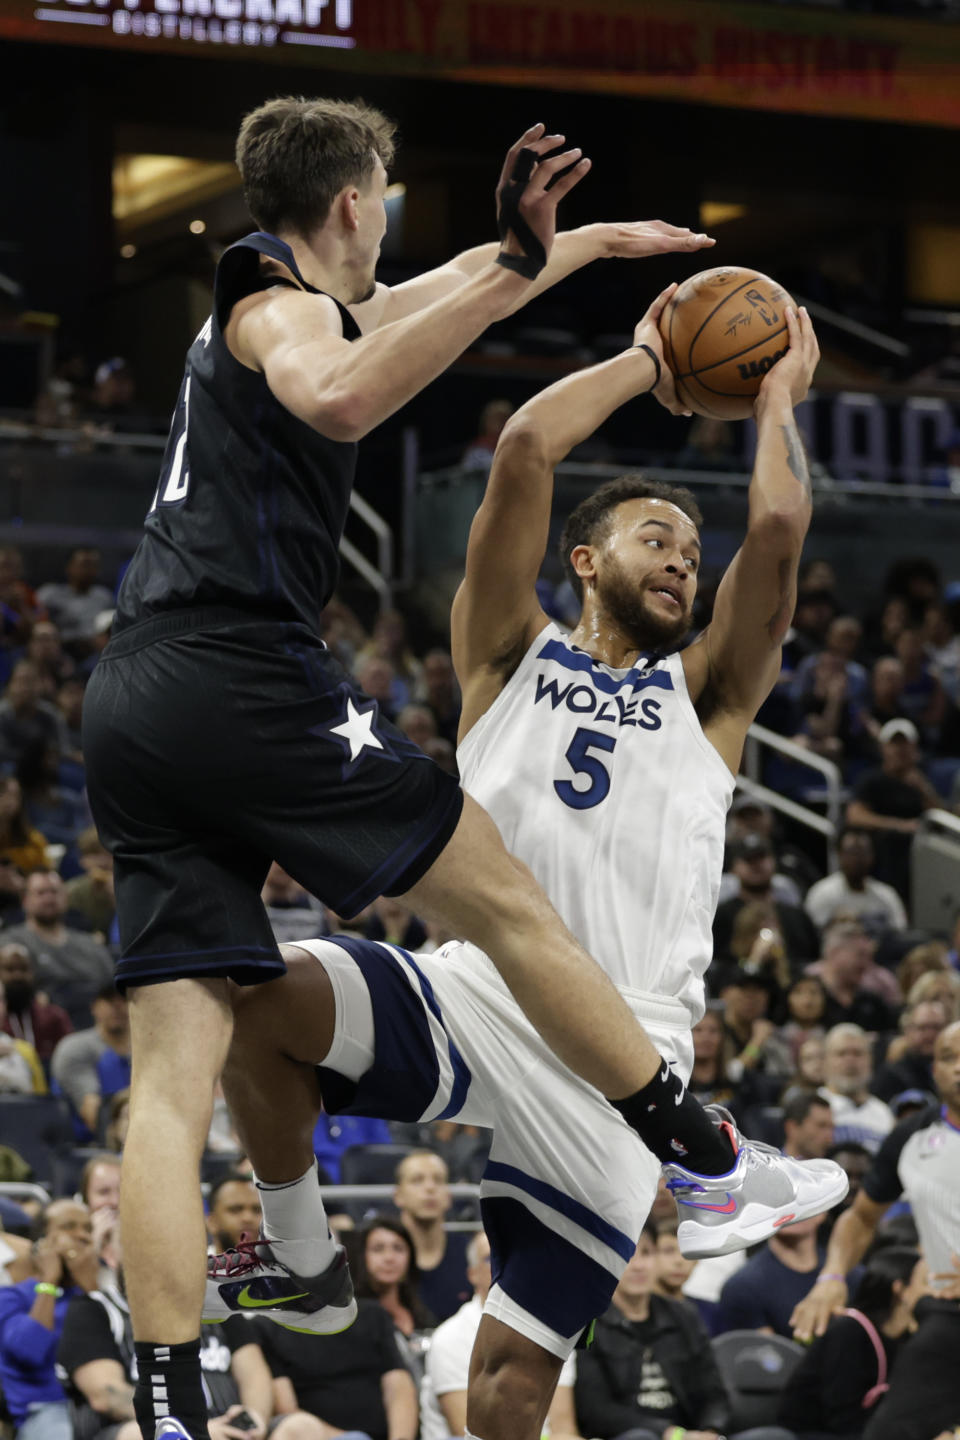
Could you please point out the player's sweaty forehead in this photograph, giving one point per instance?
(641, 511)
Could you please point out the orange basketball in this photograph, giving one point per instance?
(722, 331)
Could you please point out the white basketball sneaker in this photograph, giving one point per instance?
(763, 1192)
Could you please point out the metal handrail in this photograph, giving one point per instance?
(24, 1190)
(460, 1191)
(749, 781)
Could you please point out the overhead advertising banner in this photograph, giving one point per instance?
(746, 55)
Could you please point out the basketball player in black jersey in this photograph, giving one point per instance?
(220, 735)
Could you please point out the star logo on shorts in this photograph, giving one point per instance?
(357, 733)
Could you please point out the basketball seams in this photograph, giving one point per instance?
(706, 321)
(728, 359)
(701, 406)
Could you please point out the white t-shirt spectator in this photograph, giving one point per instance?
(73, 612)
(877, 906)
(868, 1124)
(448, 1366)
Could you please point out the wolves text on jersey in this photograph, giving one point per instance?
(615, 709)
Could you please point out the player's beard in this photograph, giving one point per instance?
(631, 611)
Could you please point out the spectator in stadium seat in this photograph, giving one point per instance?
(810, 1061)
(32, 1316)
(18, 600)
(673, 1269)
(233, 1211)
(890, 801)
(763, 1293)
(293, 913)
(100, 1183)
(847, 960)
(922, 697)
(920, 1025)
(91, 894)
(942, 647)
(886, 691)
(830, 716)
(806, 1003)
(96, 1352)
(422, 1195)
(921, 960)
(443, 1394)
(356, 1382)
(21, 844)
(854, 1159)
(71, 967)
(840, 1380)
(377, 678)
(45, 651)
(25, 717)
(857, 1115)
(57, 812)
(439, 690)
(389, 642)
(418, 724)
(851, 890)
(709, 1082)
(757, 1048)
(807, 1124)
(795, 870)
(940, 986)
(387, 1272)
(74, 603)
(20, 1070)
(478, 456)
(650, 1369)
(42, 1024)
(70, 704)
(95, 1063)
(754, 865)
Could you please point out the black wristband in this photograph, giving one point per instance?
(656, 361)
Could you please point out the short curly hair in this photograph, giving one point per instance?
(590, 522)
(295, 155)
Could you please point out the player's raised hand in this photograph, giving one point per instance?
(526, 207)
(633, 239)
(795, 370)
(648, 333)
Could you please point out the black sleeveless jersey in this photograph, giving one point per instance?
(251, 502)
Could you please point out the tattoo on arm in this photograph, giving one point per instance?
(796, 457)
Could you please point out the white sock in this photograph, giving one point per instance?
(293, 1214)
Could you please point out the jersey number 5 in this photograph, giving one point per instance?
(583, 763)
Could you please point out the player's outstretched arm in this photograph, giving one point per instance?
(738, 655)
(849, 1242)
(572, 249)
(496, 613)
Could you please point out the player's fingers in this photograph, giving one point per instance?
(526, 139)
(565, 184)
(554, 164)
(793, 326)
(546, 143)
(656, 309)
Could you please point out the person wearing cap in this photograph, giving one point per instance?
(95, 1063)
(71, 966)
(754, 865)
(920, 1025)
(749, 816)
(851, 890)
(74, 603)
(890, 801)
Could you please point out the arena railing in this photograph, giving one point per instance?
(834, 794)
(24, 1190)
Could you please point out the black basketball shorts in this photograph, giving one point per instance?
(216, 744)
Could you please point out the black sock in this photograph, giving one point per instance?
(675, 1127)
(170, 1383)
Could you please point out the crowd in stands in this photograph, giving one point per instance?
(824, 1006)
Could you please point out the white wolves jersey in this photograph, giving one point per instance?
(604, 784)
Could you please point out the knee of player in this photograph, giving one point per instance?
(504, 1387)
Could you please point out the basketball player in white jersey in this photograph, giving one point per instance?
(607, 758)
